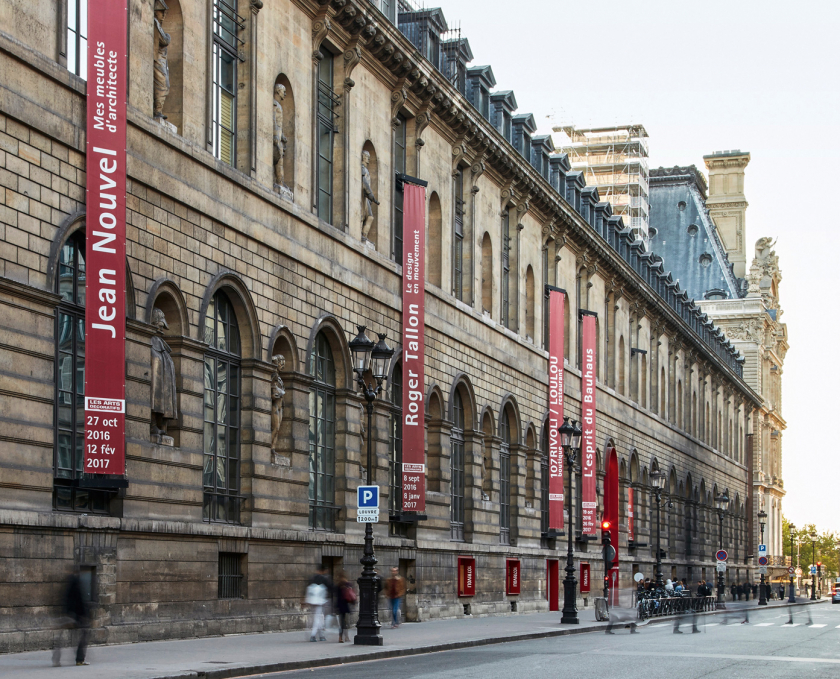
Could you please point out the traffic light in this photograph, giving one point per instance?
(605, 535)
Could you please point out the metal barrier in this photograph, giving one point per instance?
(655, 607)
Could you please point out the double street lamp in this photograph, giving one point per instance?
(791, 594)
(570, 435)
(762, 601)
(657, 479)
(373, 358)
(721, 502)
(813, 537)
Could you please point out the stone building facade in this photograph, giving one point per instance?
(245, 229)
(700, 230)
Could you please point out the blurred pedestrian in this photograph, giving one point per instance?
(395, 591)
(76, 617)
(345, 597)
(317, 596)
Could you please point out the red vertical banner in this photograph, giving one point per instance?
(556, 352)
(413, 344)
(513, 578)
(631, 510)
(107, 54)
(585, 577)
(589, 501)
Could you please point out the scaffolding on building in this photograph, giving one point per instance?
(615, 159)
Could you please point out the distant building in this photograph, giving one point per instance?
(615, 160)
(701, 238)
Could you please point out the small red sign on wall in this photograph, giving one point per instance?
(466, 576)
(585, 578)
(513, 576)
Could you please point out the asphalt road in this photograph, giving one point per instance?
(764, 647)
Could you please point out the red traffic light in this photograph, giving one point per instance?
(606, 525)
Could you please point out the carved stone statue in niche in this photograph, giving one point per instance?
(164, 392)
(162, 40)
(367, 196)
(280, 144)
(278, 392)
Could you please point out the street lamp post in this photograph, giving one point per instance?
(791, 594)
(722, 502)
(762, 601)
(657, 479)
(813, 537)
(375, 359)
(570, 441)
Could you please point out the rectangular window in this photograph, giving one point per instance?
(433, 48)
(77, 37)
(399, 168)
(458, 238)
(327, 101)
(322, 459)
(506, 269)
(526, 146)
(230, 576)
(221, 439)
(226, 44)
(544, 481)
(507, 129)
(388, 8)
(504, 494)
(456, 515)
(484, 108)
(546, 320)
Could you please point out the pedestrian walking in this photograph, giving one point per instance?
(317, 596)
(76, 618)
(345, 597)
(733, 590)
(395, 591)
(781, 591)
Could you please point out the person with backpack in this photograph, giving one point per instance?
(317, 595)
(345, 598)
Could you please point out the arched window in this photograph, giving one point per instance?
(70, 384)
(456, 516)
(504, 479)
(322, 437)
(221, 411)
(395, 450)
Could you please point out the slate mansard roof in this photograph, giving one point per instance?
(683, 234)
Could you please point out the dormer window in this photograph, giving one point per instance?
(424, 28)
(503, 104)
(481, 80)
(456, 55)
(524, 127)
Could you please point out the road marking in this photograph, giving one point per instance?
(712, 624)
(764, 624)
(792, 624)
(723, 656)
(815, 625)
(838, 627)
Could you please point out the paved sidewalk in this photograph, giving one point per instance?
(238, 655)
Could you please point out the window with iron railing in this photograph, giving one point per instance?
(544, 481)
(399, 169)
(457, 459)
(222, 397)
(326, 122)
(504, 481)
(68, 460)
(226, 45)
(322, 436)
(458, 238)
(505, 315)
(395, 443)
(230, 576)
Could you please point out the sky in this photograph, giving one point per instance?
(704, 77)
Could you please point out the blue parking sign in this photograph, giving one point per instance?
(368, 497)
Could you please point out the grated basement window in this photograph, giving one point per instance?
(230, 576)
